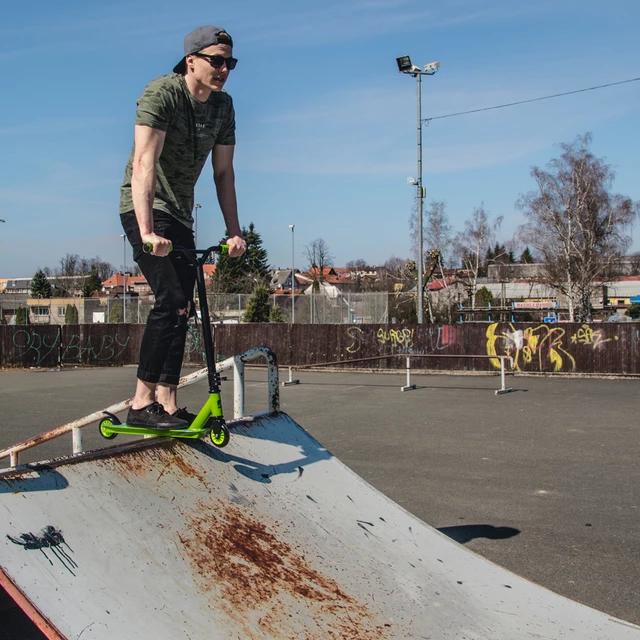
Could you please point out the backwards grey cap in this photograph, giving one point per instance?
(199, 39)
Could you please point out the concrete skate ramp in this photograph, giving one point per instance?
(271, 537)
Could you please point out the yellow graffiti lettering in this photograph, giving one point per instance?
(586, 335)
(396, 337)
(357, 335)
(531, 346)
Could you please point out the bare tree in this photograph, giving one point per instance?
(472, 244)
(72, 272)
(576, 224)
(318, 257)
(318, 254)
(436, 238)
(393, 276)
(436, 230)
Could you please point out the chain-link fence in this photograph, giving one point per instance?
(348, 308)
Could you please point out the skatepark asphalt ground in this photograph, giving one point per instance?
(544, 481)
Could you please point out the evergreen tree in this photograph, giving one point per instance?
(229, 276)
(22, 316)
(71, 314)
(239, 275)
(483, 297)
(258, 305)
(633, 311)
(256, 254)
(40, 285)
(115, 312)
(276, 315)
(92, 283)
(526, 257)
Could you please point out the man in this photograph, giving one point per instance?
(181, 118)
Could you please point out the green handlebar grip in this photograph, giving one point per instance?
(147, 247)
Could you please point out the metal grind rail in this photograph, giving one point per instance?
(237, 363)
(409, 386)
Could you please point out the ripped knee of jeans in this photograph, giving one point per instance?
(182, 320)
(190, 310)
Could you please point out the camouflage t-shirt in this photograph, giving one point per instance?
(192, 130)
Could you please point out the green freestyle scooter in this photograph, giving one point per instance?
(210, 419)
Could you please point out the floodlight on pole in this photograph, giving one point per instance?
(293, 274)
(407, 67)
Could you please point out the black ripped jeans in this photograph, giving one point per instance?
(172, 280)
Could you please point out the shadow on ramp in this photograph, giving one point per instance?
(271, 537)
(34, 478)
(467, 532)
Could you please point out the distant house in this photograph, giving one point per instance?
(333, 281)
(53, 310)
(115, 285)
(17, 286)
(280, 282)
(209, 270)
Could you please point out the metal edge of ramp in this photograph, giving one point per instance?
(272, 537)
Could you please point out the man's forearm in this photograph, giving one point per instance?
(143, 188)
(226, 190)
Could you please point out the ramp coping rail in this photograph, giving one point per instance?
(237, 363)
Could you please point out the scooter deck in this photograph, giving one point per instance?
(145, 431)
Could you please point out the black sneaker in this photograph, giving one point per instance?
(183, 414)
(154, 417)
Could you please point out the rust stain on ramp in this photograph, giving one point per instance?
(255, 575)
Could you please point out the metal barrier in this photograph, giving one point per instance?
(409, 386)
(236, 363)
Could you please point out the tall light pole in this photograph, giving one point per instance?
(196, 207)
(293, 274)
(124, 269)
(405, 66)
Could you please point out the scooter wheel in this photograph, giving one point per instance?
(222, 439)
(105, 432)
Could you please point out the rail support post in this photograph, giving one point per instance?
(76, 435)
(290, 381)
(503, 378)
(409, 386)
(238, 388)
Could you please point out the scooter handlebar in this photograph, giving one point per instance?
(147, 247)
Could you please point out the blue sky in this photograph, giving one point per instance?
(326, 125)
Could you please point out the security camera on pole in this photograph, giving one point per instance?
(405, 66)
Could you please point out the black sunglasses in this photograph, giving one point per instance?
(217, 61)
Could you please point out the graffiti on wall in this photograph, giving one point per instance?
(586, 335)
(31, 344)
(104, 348)
(402, 340)
(543, 347)
(194, 346)
(396, 337)
(530, 348)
